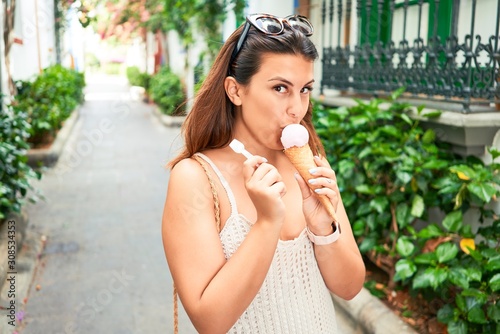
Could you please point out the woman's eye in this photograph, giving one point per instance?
(280, 89)
(307, 90)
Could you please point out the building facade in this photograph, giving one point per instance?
(444, 52)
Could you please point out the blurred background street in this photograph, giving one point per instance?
(407, 101)
(103, 269)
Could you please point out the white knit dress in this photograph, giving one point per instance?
(293, 297)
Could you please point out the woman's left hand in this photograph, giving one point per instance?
(324, 181)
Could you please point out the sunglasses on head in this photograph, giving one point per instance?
(271, 25)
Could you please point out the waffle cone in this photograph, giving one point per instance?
(303, 160)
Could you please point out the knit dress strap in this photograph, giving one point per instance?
(225, 184)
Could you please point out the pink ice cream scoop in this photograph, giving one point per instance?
(294, 135)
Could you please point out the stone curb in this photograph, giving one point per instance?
(27, 259)
(21, 222)
(49, 156)
(368, 315)
(168, 120)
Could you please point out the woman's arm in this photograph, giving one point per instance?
(215, 292)
(340, 262)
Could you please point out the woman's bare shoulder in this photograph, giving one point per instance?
(187, 176)
(186, 168)
(191, 169)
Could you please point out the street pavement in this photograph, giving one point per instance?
(103, 269)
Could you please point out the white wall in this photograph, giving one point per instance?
(150, 51)
(277, 7)
(136, 54)
(73, 43)
(176, 52)
(229, 25)
(178, 56)
(29, 58)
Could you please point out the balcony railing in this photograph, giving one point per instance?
(438, 50)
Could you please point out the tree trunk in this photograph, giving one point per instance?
(164, 43)
(9, 14)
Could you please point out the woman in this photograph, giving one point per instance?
(263, 273)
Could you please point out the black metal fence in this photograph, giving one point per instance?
(435, 67)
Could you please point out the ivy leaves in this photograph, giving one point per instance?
(410, 201)
(188, 17)
(15, 173)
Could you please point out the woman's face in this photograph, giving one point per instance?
(277, 95)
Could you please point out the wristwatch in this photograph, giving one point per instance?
(327, 239)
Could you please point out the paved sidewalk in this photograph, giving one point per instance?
(103, 269)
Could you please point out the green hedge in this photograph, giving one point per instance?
(137, 78)
(167, 91)
(391, 173)
(49, 100)
(15, 173)
(33, 118)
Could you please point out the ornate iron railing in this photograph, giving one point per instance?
(432, 67)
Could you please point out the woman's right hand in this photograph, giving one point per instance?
(265, 188)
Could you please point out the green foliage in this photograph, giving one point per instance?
(157, 20)
(167, 92)
(137, 78)
(82, 9)
(15, 173)
(184, 16)
(112, 68)
(209, 24)
(239, 9)
(179, 15)
(211, 14)
(49, 100)
(91, 61)
(199, 75)
(391, 173)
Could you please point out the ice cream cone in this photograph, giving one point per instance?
(303, 160)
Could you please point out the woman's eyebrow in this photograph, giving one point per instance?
(287, 81)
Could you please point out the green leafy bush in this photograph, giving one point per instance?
(15, 173)
(462, 267)
(137, 78)
(49, 100)
(132, 74)
(167, 92)
(392, 173)
(113, 68)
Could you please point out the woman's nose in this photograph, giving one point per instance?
(294, 109)
(292, 112)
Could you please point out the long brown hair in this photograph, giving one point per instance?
(210, 122)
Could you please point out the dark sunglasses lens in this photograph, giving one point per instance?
(301, 25)
(269, 25)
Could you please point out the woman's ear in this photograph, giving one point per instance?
(232, 90)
